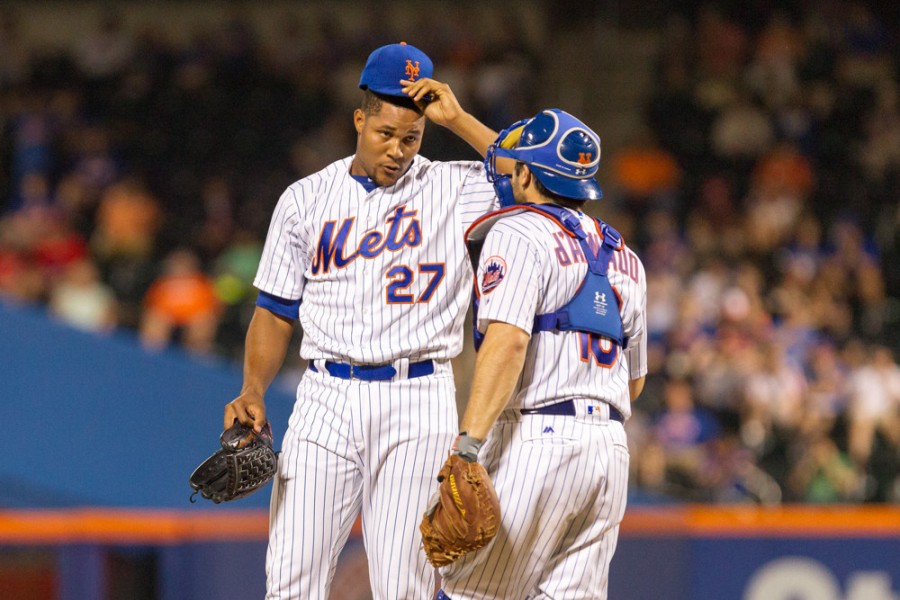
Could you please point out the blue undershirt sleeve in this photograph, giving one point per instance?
(279, 306)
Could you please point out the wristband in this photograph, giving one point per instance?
(467, 447)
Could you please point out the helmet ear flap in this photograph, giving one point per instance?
(505, 142)
(503, 187)
(502, 183)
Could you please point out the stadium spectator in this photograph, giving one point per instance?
(823, 474)
(181, 304)
(82, 300)
(874, 404)
(684, 434)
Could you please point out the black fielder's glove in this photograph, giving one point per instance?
(245, 463)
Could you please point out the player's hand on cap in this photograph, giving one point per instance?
(435, 98)
(249, 408)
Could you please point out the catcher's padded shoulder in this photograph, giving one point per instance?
(245, 463)
(466, 516)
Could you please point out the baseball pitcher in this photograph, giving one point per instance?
(369, 255)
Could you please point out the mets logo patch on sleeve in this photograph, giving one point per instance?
(494, 271)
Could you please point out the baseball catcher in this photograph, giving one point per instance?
(464, 514)
(245, 463)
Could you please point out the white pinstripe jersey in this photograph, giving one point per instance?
(382, 275)
(529, 265)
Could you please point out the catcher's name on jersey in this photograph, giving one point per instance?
(529, 266)
(568, 253)
(394, 258)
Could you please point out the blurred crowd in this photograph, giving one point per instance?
(762, 195)
(140, 172)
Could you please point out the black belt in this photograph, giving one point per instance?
(373, 372)
(567, 409)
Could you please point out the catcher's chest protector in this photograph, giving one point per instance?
(595, 306)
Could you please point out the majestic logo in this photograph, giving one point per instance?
(412, 70)
(548, 429)
(494, 272)
(584, 158)
(600, 305)
(331, 248)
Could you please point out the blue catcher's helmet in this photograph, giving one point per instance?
(561, 151)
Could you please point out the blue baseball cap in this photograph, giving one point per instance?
(561, 151)
(389, 64)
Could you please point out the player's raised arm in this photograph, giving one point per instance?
(441, 106)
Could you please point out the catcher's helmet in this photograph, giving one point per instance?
(561, 151)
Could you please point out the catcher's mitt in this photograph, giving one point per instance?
(245, 463)
(465, 515)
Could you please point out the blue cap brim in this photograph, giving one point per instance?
(567, 187)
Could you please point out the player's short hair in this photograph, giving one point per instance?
(373, 101)
(555, 198)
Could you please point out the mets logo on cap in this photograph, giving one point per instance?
(412, 70)
(494, 272)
